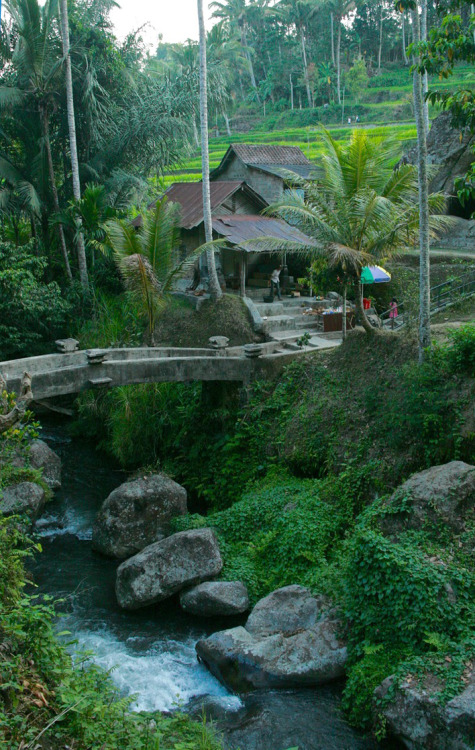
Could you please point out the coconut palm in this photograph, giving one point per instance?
(234, 14)
(360, 209)
(424, 251)
(37, 64)
(214, 287)
(148, 257)
(81, 251)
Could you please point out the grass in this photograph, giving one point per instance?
(181, 325)
(385, 107)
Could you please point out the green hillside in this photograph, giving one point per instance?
(385, 107)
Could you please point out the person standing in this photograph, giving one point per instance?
(393, 311)
(275, 283)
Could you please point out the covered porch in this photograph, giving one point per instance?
(248, 263)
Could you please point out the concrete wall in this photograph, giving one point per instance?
(271, 187)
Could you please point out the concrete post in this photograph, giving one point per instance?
(219, 344)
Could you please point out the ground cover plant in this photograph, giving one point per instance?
(296, 483)
(48, 699)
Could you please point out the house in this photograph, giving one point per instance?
(266, 169)
(248, 179)
(236, 215)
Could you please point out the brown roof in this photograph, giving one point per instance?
(280, 155)
(190, 197)
(238, 229)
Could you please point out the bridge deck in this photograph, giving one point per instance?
(65, 374)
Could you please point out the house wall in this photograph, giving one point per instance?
(271, 187)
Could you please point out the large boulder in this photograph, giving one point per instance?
(166, 567)
(214, 598)
(137, 514)
(42, 457)
(440, 495)
(26, 498)
(449, 151)
(290, 639)
(414, 713)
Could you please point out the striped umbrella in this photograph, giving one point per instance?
(374, 275)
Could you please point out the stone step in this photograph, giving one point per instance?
(289, 339)
(269, 309)
(279, 323)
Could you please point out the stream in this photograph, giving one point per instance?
(152, 651)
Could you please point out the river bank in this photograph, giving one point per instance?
(152, 651)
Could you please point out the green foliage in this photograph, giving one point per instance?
(363, 678)
(461, 353)
(357, 78)
(44, 692)
(396, 595)
(115, 321)
(33, 313)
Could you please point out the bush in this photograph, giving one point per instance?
(395, 595)
(461, 353)
(33, 313)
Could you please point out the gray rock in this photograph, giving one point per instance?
(442, 494)
(214, 598)
(415, 715)
(42, 457)
(137, 514)
(285, 611)
(166, 567)
(449, 149)
(302, 646)
(25, 498)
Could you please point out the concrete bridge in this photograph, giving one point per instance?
(70, 373)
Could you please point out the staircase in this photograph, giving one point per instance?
(285, 322)
(441, 296)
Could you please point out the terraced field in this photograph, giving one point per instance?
(383, 100)
(308, 139)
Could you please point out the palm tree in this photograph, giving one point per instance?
(340, 9)
(360, 209)
(214, 287)
(148, 257)
(233, 12)
(37, 65)
(424, 257)
(81, 252)
(298, 13)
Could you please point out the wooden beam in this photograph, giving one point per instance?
(243, 273)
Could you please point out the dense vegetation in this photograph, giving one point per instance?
(296, 484)
(44, 694)
(297, 475)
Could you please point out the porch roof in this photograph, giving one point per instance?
(243, 230)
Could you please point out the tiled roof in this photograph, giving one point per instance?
(190, 197)
(279, 155)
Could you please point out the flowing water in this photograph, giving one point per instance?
(153, 651)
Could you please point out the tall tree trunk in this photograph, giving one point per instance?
(361, 311)
(214, 288)
(424, 257)
(404, 55)
(49, 157)
(249, 60)
(343, 317)
(228, 127)
(305, 67)
(425, 80)
(332, 38)
(380, 48)
(81, 251)
(338, 60)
